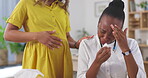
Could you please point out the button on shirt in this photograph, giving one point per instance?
(115, 66)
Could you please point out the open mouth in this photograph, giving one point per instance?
(103, 41)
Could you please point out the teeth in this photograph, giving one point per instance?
(105, 45)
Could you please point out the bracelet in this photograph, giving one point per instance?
(75, 45)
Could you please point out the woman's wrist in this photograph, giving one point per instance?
(98, 63)
(35, 37)
(75, 45)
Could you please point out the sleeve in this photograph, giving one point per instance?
(139, 60)
(82, 61)
(18, 15)
(68, 28)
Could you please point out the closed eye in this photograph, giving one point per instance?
(102, 31)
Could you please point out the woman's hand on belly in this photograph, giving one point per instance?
(48, 39)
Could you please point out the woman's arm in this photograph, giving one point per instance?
(13, 34)
(136, 54)
(132, 67)
(102, 55)
(120, 36)
(73, 43)
(84, 71)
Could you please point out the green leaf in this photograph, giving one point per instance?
(5, 19)
(2, 41)
(16, 47)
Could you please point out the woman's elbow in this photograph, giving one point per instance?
(6, 36)
(9, 32)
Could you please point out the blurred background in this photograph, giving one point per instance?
(84, 16)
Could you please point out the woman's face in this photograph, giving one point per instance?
(104, 29)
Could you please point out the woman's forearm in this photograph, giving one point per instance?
(131, 65)
(71, 41)
(13, 34)
(93, 70)
(19, 36)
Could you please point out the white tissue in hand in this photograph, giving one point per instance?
(105, 45)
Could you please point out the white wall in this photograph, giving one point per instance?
(6, 7)
(77, 9)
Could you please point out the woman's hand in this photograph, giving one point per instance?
(103, 55)
(12, 33)
(120, 36)
(47, 39)
(79, 41)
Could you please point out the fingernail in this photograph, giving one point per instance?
(53, 30)
(92, 36)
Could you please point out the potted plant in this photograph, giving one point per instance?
(143, 5)
(82, 33)
(17, 48)
(3, 49)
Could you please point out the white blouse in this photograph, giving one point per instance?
(115, 66)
